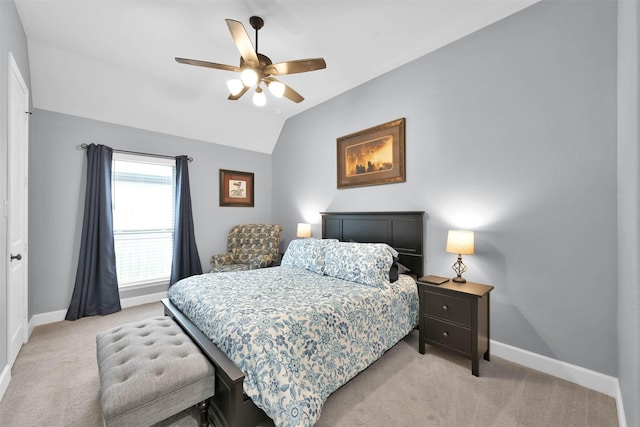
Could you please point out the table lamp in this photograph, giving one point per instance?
(304, 230)
(460, 242)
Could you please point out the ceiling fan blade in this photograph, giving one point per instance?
(297, 66)
(237, 96)
(288, 92)
(242, 41)
(208, 64)
(292, 94)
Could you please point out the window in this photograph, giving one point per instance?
(143, 217)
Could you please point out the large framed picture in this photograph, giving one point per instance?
(236, 188)
(372, 156)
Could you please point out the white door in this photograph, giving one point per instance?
(18, 143)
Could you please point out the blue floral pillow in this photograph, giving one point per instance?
(307, 253)
(366, 263)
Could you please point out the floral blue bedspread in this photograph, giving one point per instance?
(297, 336)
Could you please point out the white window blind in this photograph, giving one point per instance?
(143, 216)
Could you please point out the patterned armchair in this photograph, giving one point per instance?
(249, 246)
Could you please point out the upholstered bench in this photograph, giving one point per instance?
(149, 371)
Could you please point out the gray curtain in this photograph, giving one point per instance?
(96, 287)
(186, 261)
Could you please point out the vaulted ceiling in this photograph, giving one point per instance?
(113, 60)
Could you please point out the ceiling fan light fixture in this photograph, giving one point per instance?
(256, 68)
(259, 98)
(276, 89)
(235, 86)
(249, 77)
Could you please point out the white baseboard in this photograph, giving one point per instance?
(142, 299)
(566, 371)
(585, 377)
(46, 318)
(57, 316)
(5, 379)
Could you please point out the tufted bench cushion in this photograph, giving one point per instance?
(149, 371)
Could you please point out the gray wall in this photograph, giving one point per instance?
(12, 38)
(510, 132)
(629, 208)
(57, 185)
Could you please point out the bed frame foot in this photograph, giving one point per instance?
(203, 408)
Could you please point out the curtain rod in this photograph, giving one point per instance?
(190, 159)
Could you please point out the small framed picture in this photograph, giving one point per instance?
(236, 188)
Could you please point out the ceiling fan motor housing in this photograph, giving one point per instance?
(261, 68)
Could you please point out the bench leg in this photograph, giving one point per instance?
(203, 408)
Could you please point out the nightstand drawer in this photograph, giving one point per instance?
(448, 308)
(447, 334)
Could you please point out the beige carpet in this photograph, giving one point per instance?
(55, 383)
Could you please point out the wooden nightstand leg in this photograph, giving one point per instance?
(475, 367)
(487, 354)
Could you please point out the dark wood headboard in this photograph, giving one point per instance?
(403, 231)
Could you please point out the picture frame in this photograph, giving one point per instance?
(372, 156)
(236, 188)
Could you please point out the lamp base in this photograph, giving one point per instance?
(459, 268)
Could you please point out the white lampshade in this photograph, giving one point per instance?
(460, 242)
(235, 86)
(259, 98)
(276, 89)
(249, 77)
(304, 230)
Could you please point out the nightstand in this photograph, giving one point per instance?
(456, 316)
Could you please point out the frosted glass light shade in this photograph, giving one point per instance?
(304, 230)
(235, 86)
(249, 77)
(276, 89)
(460, 242)
(259, 99)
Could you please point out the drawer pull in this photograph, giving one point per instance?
(444, 334)
(445, 307)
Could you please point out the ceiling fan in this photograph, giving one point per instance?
(256, 68)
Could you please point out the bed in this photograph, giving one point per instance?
(302, 330)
